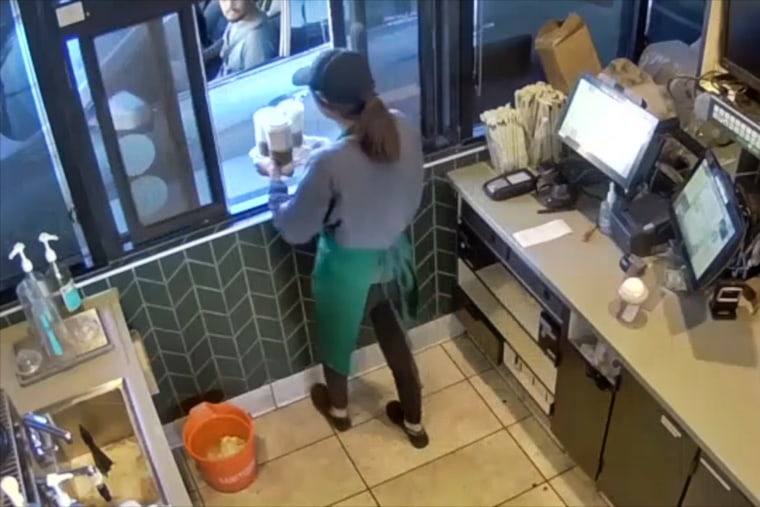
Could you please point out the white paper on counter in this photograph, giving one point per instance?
(543, 233)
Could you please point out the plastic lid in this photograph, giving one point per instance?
(633, 291)
(45, 238)
(18, 250)
(278, 121)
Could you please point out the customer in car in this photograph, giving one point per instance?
(248, 41)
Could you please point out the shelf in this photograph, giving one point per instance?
(513, 296)
(529, 382)
(523, 345)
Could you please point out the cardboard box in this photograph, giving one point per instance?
(566, 51)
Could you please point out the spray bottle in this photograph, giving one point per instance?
(59, 277)
(39, 308)
(605, 211)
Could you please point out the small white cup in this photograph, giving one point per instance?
(632, 293)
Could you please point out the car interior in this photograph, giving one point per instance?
(292, 39)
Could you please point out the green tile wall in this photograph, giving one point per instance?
(236, 313)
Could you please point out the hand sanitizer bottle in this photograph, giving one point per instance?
(59, 276)
(605, 211)
(41, 313)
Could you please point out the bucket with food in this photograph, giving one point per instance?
(220, 439)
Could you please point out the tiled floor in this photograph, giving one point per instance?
(485, 447)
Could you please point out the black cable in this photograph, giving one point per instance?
(712, 77)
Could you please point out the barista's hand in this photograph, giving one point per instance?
(267, 167)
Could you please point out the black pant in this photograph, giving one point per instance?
(392, 339)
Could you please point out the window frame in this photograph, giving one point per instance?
(91, 202)
(107, 16)
(446, 70)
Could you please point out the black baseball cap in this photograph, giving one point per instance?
(340, 76)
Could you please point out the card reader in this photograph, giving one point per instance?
(510, 184)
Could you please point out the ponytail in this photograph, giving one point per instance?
(377, 133)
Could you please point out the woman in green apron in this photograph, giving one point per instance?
(359, 195)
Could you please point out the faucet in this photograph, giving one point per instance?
(40, 431)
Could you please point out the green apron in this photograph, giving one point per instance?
(341, 282)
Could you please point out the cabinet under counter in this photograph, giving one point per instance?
(702, 374)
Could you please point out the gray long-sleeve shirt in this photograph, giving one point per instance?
(372, 203)
(247, 44)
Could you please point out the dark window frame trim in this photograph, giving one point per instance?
(109, 252)
(235, 224)
(102, 22)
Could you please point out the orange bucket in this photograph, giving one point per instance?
(206, 425)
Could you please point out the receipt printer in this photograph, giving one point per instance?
(641, 226)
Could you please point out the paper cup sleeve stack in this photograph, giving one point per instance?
(524, 135)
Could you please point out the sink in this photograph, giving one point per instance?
(109, 417)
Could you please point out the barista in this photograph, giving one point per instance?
(359, 195)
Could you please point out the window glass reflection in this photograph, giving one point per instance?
(240, 35)
(146, 83)
(34, 195)
(248, 41)
(505, 34)
(390, 30)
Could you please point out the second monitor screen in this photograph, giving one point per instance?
(704, 220)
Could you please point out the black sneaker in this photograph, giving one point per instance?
(321, 401)
(419, 439)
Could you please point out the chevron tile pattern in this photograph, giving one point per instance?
(236, 313)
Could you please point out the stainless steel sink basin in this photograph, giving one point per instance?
(107, 414)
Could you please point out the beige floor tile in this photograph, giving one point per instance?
(539, 446)
(453, 418)
(317, 475)
(287, 429)
(361, 500)
(483, 473)
(540, 496)
(467, 356)
(500, 397)
(369, 393)
(577, 490)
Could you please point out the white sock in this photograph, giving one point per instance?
(339, 413)
(413, 428)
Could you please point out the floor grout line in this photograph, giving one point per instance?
(561, 499)
(358, 472)
(424, 394)
(351, 496)
(461, 370)
(466, 379)
(332, 429)
(521, 493)
(506, 427)
(444, 455)
(336, 434)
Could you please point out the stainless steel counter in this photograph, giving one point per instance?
(705, 372)
(119, 366)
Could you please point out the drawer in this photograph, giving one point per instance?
(549, 336)
(473, 250)
(477, 326)
(709, 487)
(528, 380)
(476, 224)
(542, 293)
(581, 410)
(473, 223)
(647, 458)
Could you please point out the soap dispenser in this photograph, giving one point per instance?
(59, 277)
(40, 310)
